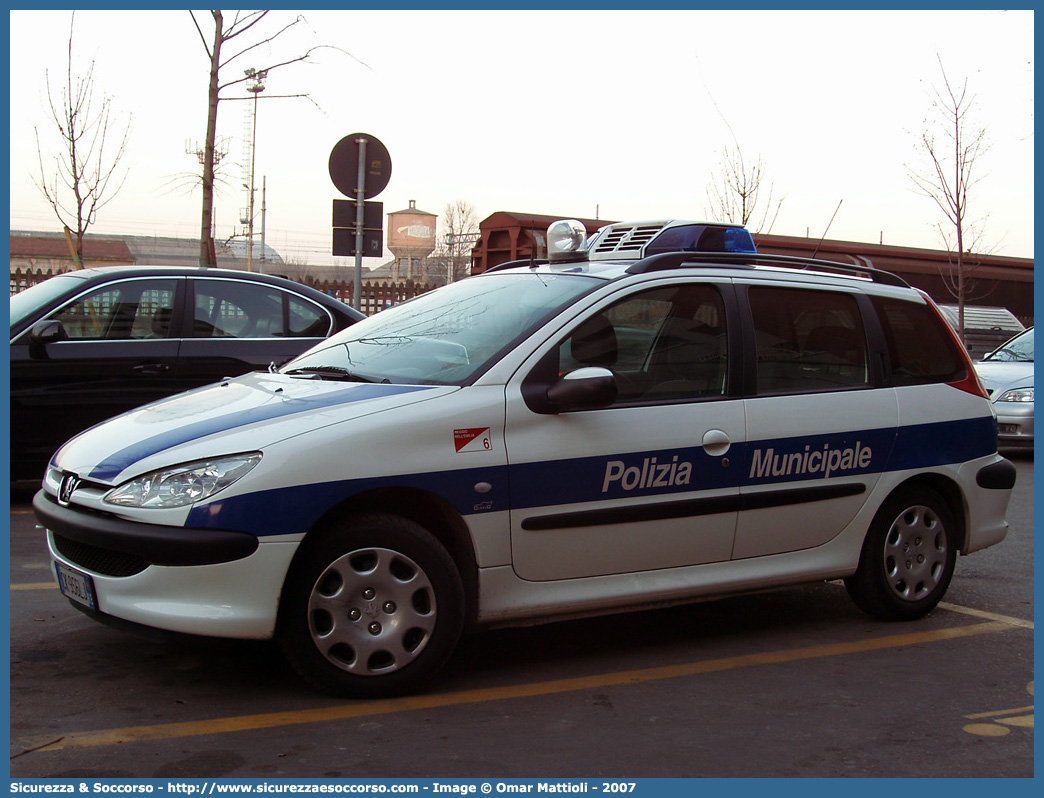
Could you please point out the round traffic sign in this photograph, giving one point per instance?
(344, 165)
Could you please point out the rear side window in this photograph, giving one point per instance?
(920, 348)
(238, 309)
(807, 341)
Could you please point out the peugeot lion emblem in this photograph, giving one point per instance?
(70, 482)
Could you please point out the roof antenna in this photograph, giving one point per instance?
(828, 227)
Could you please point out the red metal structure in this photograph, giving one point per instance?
(507, 236)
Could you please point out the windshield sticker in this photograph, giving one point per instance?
(475, 439)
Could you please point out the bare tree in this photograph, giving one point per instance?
(734, 194)
(951, 146)
(241, 24)
(86, 174)
(460, 234)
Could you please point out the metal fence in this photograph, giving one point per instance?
(374, 297)
(25, 278)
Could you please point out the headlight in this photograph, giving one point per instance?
(183, 485)
(1016, 395)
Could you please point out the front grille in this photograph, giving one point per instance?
(99, 561)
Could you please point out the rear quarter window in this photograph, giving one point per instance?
(921, 349)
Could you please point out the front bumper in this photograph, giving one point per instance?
(201, 582)
(1014, 423)
(152, 544)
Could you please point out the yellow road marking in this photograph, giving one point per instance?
(1020, 717)
(35, 586)
(1023, 721)
(998, 713)
(986, 730)
(88, 739)
(999, 727)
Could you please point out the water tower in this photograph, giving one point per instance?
(411, 239)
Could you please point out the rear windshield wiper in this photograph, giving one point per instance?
(332, 373)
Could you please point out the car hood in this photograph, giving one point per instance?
(239, 415)
(1001, 375)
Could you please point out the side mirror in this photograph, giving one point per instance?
(47, 331)
(584, 389)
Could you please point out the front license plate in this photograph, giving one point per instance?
(79, 587)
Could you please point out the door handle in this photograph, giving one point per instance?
(151, 369)
(716, 442)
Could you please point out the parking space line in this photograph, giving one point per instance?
(992, 616)
(34, 586)
(359, 709)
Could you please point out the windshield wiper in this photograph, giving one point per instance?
(332, 373)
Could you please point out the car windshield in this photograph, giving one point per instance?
(1019, 349)
(26, 302)
(444, 337)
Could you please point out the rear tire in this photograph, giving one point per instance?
(373, 607)
(908, 556)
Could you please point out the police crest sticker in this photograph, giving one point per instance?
(473, 439)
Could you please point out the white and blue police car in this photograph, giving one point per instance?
(654, 415)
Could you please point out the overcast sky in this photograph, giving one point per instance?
(610, 114)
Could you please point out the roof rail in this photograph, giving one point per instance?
(676, 260)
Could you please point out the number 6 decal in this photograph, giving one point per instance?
(472, 439)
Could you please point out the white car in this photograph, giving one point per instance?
(1007, 373)
(656, 415)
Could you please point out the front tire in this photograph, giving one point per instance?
(908, 557)
(371, 608)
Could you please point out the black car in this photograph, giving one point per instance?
(89, 344)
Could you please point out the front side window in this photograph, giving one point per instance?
(667, 344)
(128, 309)
(807, 341)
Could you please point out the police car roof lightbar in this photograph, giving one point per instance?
(635, 240)
(567, 239)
